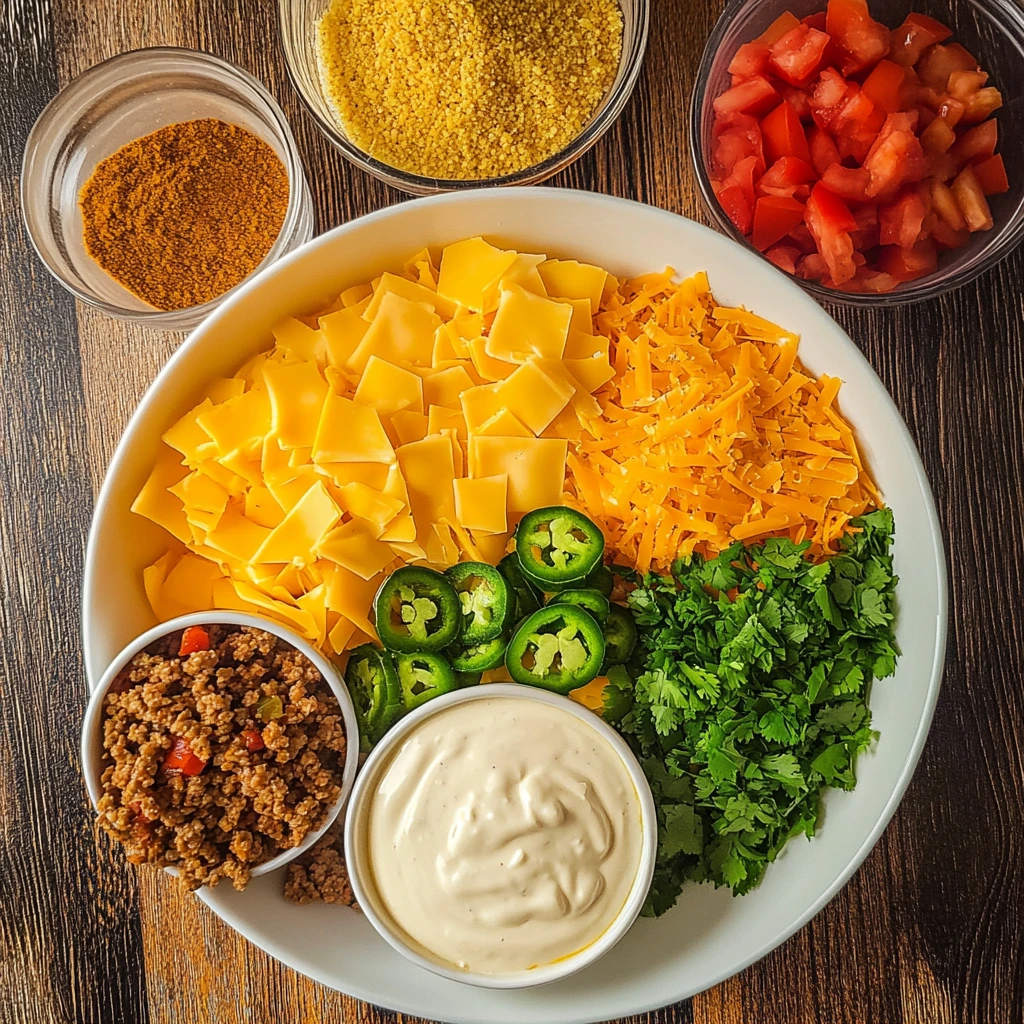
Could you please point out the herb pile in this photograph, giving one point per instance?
(751, 696)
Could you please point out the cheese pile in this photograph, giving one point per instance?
(419, 418)
(711, 432)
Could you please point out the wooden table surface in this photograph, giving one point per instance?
(927, 932)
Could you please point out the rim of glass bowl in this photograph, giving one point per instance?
(36, 163)
(423, 185)
(1006, 18)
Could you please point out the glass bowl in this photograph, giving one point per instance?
(993, 30)
(297, 20)
(112, 104)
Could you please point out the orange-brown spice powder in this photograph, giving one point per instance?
(185, 213)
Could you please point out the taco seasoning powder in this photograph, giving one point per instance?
(183, 214)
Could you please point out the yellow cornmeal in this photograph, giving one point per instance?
(467, 88)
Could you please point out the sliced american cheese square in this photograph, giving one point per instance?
(280, 610)
(369, 504)
(186, 436)
(592, 373)
(534, 397)
(527, 324)
(481, 502)
(402, 332)
(373, 474)
(445, 387)
(340, 633)
(354, 546)
(535, 467)
(523, 272)
(388, 388)
(297, 392)
(479, 404)
(504, 424)
(301, 529)
(470, 272)
(314, 603)
(197, 491)
(428, 468)
(223, 388)
(584, 345)
(156, 503)
(300, 339)
(487, 366)
(262, 508)
(439, 418)
(237, 537)
(342, 332)
(349, 432)
(188, 587)
(569, 279)
(410, 290)
(349, 594)
(409, 426)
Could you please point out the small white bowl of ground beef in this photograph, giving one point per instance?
(219, 745)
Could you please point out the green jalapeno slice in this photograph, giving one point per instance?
(423, 675)
(417, 609)
(528, 597)
(593, 600)
(560, 648)
(601, 579)
(477, 657)
(376, 694)
(619, 635)
(557, 546)
(485, 599)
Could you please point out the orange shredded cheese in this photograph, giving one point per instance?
(710, 432)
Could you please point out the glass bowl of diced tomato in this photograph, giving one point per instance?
(872, 149)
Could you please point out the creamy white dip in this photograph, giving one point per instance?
(504, 834)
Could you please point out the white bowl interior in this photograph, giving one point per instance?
(709, 935)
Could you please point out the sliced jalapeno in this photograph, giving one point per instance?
(560, 647)
(593, 600)
(423, 675)
(557, 546)
(602, 579)
(485, 599)
(528, 596)
(417, 609)
(477, 657)
(464, 679)
(376, 695)
(619, 635)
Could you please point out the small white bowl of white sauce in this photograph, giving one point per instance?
(501, 836)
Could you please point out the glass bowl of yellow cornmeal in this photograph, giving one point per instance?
(436, 96)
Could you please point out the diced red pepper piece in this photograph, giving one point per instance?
(827, 97)
(850, 183)
(962, 85)
(938, 136)
(908, 264)
(253, 740)
(866, 235)
(751, 59)
(181, 760)
(755, 96)
(797, 55)
(977, 143)
(900, 222)
(896, 157)
(784, 257)
(736, 137)
(884, 86)
(983, 103)
(991, 175)
(917, 32)
(786, 177)
(938, 62)
(946, 207)
(829, 220)
(779, 27)
(863, 40)
(193, 639)
(774, 218)
(823, 150)
(971, 200)
(783, 135)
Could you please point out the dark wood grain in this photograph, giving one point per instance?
(927, 932)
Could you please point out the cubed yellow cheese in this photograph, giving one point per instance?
(534, 397)
(402, 332)
(156, 503)
(388, 388)
(445, 387)
(439, 418)
(354, 546)
(535, 468)
(480, 503)
(569, 279)
(526, 325)
(349, 432)
(428, 469)
(470, 272)
(297, 392)
(342, 332)
(409, 426)
(294, 539)
(408, 290)
(503, 424)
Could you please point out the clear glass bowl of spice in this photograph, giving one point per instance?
(431, 96)
(156, 182)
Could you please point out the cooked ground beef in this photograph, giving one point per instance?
(320, 873)
(266, 782)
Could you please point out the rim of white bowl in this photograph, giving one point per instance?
(358, 861)
(91, 744)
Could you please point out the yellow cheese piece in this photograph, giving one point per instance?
(583, 402)
(524, 273)
(340, 634)
(458, 455)
(584, 345)
(349, 432)
(301, 529)
(470, 273)
(262, 508)
(492, 546)
(289, 490)
(441, 548)
(566, 424)
(242, 464)
(428, 469)
(535, 468)
(357, 294)
(237, 537)
(402, 332)
(366, 503)
(503, 424)
(480, 503)
(528, 324)
(299, 457)
(354, 546)
(153, 577)
(444, 350)
(186, 435)
(487, 366)
(446, 386)
(388, 388)
(479, 404)
(401, 530)
(349, 594)
(223, 388)
(239, 423)
(439, 418)
(373, 474)
(420, 267)
(231, 481)
(155, 503)
(464, 327)
(189, 586)
(298, 618)
(342, 332)
(569, 279)
(581, 321)
(314, 603)
(288, 579)
(409, 426)
(592, 373)
(533, 397)
(301, 340)
(408, 290)
(198, 492)
(297, 392)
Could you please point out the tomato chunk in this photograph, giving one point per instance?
(736, 137)
(850, 183)
(827, 97)
(866, 234)
(917, 32)
(945, 206)
(784, 257)
(751, 59)
(900, 222)
(774, 218)
(786, 177)
(991, 175)
(908, 264)
(896, 157)
(779, 27)
(829, 220)
(983, 103)
(180, 760)
(193, 639)
(938, 136)
(253, 740)
(972, 202)
(884, 86)
(798, 54)
(863, 40)
(977, 143)
(962, 85)
(823, 150)
(783, 135)
(938, 62)
(755, 96)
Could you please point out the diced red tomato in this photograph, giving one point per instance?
(823, 150)
(774, 218)
(917, 32)
(816, 20)
(253, 740)
(863, 40)
(797, 55)
(977, 143)
(938, 62)
(736, 137)
(982, 104)
(784, 257)
(801, 238)
(938, 136)
(971, 200)
(828, 95)
(866, 235)
(783, 135)
(812, 267)
(736, 193)
(755, 96)
(797, 99)
(751, 59)
(829, 220)
(946, 237)
(779, 27)
(896, 157)
(962, 85)
(991, 175)
(950, 110)
(945, 206)
(884, 86)
(849, 183)
(856, 124)
(785, 178)
(180, 760)
(908, 264)
(193, 639)
(900, 222)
